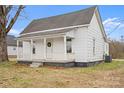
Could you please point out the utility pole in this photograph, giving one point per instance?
(122, 38)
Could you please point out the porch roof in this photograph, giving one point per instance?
(47, 33)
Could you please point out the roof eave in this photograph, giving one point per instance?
(42, 31)
(102, 27)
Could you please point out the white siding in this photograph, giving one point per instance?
(94, 32)
(11, 50)
(70, 33)
(58, 48)
(79, 44)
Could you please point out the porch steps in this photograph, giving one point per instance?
(36, 64)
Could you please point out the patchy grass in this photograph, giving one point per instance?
(102, 75)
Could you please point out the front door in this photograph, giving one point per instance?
(49, 48)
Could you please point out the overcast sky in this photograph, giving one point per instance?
(111, 16)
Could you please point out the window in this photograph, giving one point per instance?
(93, 46)
(49, 44)
(69, 39)
(68, 45)
(14, 48)
(34, 49)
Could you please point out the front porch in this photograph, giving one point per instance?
(44, 49)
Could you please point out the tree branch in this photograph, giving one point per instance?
(13, 20)
(8, 9)
(3, 17)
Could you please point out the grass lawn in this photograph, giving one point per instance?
(102, 75)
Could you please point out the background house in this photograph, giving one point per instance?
(12, 46)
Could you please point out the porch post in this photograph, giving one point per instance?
(17, 49)
(44, 48)
(31, 48)
(65, 53)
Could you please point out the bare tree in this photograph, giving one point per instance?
(116, 49)
(6, 23)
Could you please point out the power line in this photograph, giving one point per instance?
(115, 27)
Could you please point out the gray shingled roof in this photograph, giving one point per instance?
(80, 17)
(11, 40)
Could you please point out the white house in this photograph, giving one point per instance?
(73, 39)
(12, 46)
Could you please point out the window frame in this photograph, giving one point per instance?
(70, 50)
(14, 49)
(94, 46)
(34, 48)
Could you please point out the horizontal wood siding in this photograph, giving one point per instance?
(94, 32)
(11, 50)
(79, 44)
